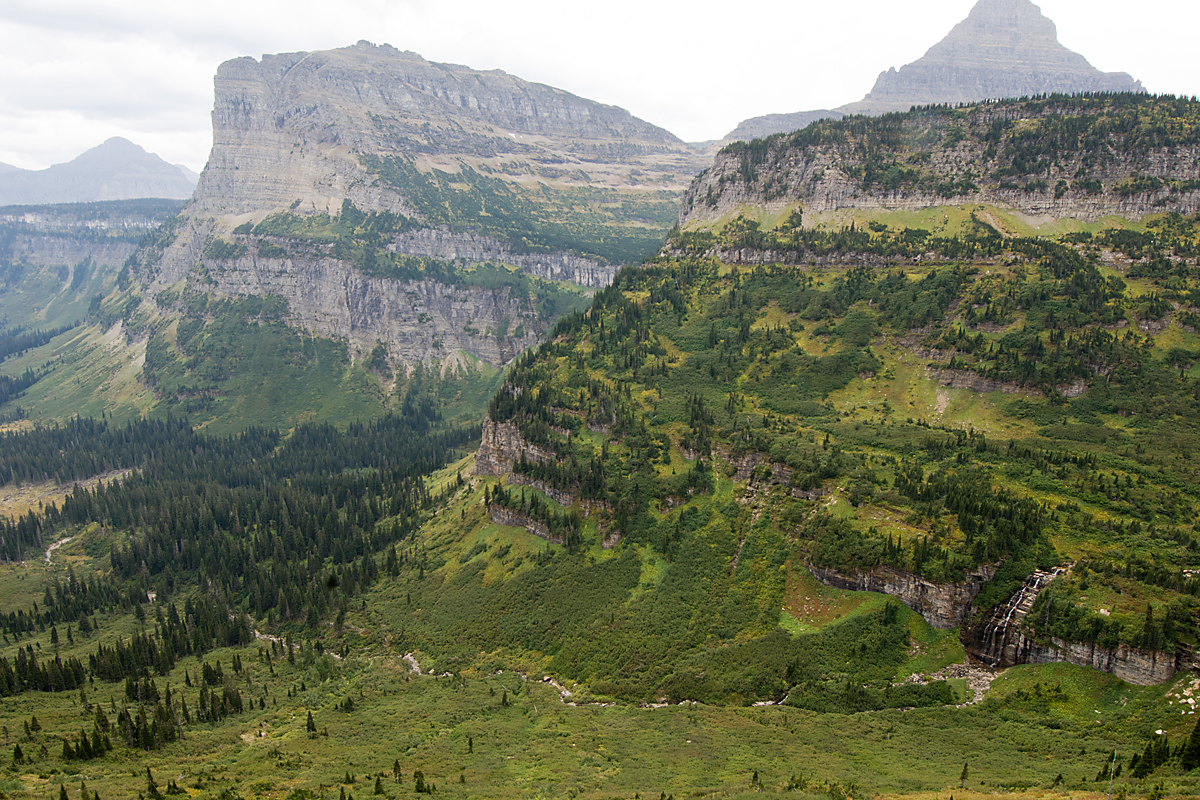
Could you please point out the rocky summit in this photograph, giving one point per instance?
(361, 184)
(1003, 49)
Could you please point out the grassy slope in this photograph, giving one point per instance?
(458, 726)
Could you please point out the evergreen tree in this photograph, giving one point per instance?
(1190, 758)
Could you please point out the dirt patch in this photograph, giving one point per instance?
(815, 605)
(16, 501)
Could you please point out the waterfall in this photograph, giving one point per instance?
(1010, 615)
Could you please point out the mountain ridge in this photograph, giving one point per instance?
(117, 169)
(1003, 49)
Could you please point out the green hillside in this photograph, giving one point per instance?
(256, 568)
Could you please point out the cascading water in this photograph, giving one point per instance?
(1008, 617)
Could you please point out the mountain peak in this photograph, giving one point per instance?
(1003, 49)
(116, 169)
(1010, 13)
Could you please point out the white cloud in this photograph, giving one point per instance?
(78, 72)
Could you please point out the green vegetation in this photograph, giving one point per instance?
(1012, 145)
(600, 223)
(226, 598)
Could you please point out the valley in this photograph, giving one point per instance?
(464, 437)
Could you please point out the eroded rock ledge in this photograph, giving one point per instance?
(944, 606)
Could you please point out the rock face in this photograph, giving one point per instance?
(1003, 49)
(97, 236)
(1002, 639)
(116, 170)
(944, 606)
(479, 249)
(764, 126)
(501, 446)
(300, 134)
(942, 161)
(506, 516)
(287, 127)
(421, 321)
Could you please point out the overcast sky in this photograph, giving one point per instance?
(76, 72)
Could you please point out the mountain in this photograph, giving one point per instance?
(1003, 49)
(371, 213)
(798, 490)
(1063, 157)
(116, 170)
(841, 372)
(452, 167)
(761, 127)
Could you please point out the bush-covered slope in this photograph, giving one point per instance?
(1077, 156)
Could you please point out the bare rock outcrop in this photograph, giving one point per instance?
(297, 135)
(420, 321)
(943, 605)
(826, 177)
(506, 516)
(1128, 664)
(501, 446)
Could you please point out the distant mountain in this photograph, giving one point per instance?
(760, 127)
(118, 169)
(369, 225)
(1003, 49)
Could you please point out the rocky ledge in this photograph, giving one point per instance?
(943, 605)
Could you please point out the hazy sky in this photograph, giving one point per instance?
(79, 71)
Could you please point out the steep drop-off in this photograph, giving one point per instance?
(1061, 157)
(352, 183)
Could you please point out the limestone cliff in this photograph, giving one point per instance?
(943, 606)
(54, 257)
(445, 167)
(501, 446)
(1060, 157)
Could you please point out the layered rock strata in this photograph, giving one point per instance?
(943, 605)
(826, 176)
(501, 446)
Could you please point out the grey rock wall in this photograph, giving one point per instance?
(943, 605)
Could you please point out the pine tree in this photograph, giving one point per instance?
(1191, 750)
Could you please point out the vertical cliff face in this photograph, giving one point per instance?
(943, 605)
(443, 168)
(990, 153)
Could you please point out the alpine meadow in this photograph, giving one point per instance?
(460, 436)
